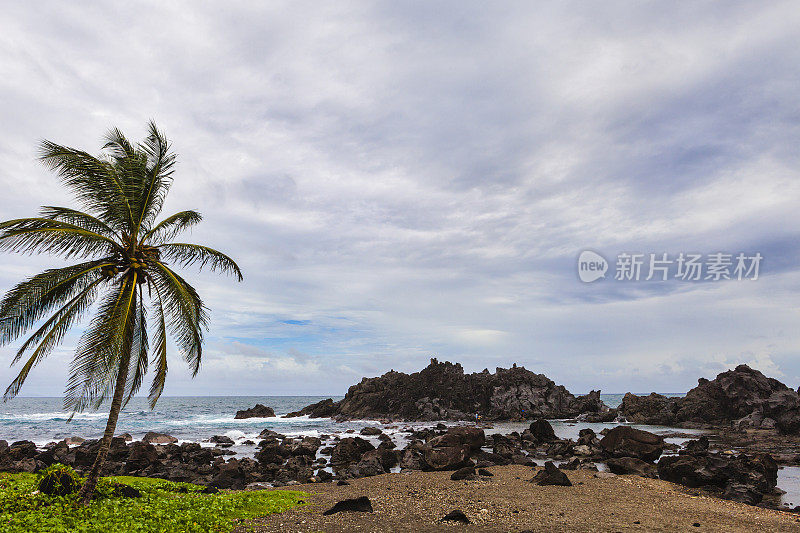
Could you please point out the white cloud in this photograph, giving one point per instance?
(399, 181)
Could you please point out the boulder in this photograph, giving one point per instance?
(229, 476)
(625, 441)
(268, 433)
(445, 458)
(467, 472)
(323, 409)
(696, 447)
(632, 465)
(222, 441)
(719, 471)
(370, 431)
(742, 493)
(273, 452)
(358, 505)
(456, 515)
(151, 437)
(551, 475)
(542, 431)
(350, 450)
(258, 411)
(654, 409)
(473, 438)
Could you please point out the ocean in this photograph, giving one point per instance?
(188, 418)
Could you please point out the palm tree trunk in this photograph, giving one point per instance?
(85, 495)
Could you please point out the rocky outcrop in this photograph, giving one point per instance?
(442, 391)
(743, 397)
(258, 411)
(323, 409)
(654, 409)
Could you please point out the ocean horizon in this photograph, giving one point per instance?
(42, 419)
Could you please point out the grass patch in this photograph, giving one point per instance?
(163, 506)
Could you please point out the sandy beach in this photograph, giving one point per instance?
(415, 501)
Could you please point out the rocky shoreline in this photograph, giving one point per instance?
(733, 460)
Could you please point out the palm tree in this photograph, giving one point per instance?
(126, 269)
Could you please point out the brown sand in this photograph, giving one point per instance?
(507, 502)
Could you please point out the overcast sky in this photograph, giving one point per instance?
(401, 180)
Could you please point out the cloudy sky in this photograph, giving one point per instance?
(401, 180)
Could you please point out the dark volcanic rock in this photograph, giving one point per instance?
(350, 450)
(720, 472)
(632, 465)
(456, 515)
(473, 438)
(743, 396)
(740, 492)
(625, 441)
(360, 505)
(551, 475)
(443, 392)
(654, 409)
(151, 437)
(323, 409)
(542, 431)
(222, 441)
(696, 447)
(259, 411)
(468, 472)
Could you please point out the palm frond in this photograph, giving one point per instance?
(50, 334)
(171, 226)
(186, 254)
(160, 342)
(187, 314)
(102, 347)
(33, 298)
(79, 218)
(44, 235)
(95, 183)
(139, 349)
(157, 177)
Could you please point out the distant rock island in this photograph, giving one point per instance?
(259, 411)
(442, 391)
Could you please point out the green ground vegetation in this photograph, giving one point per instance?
(162, 506)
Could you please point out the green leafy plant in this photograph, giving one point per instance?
(58, 480)
(163, 506)
(128, 265)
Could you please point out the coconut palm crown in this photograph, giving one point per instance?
(126, 275)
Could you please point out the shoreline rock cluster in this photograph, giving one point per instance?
(442, 391)
(741, 398)
(465, 450)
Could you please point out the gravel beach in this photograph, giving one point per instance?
(416, 501)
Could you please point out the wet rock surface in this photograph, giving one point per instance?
(258, 411)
